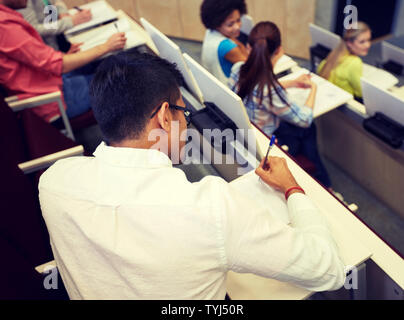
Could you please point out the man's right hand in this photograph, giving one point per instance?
(277, 175)
(116, 42)
(81, 17)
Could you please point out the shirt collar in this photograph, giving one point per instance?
(132, 157)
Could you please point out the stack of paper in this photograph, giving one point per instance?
(101, 13)
(101, 34)
(122, 25)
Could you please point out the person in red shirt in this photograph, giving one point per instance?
(28, 67)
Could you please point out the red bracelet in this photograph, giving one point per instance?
(290, 190)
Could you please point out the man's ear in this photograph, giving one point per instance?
(164, 117)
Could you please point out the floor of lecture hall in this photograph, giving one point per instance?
(388, 224)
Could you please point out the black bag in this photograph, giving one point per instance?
(386, 129)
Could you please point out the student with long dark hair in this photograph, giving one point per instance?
(267, 102)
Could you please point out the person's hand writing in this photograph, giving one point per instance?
(304, 81)
(116, 42)
(81, 17)
(75, 47)
(276, 174)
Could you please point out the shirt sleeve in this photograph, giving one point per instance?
(61, 26)
(304, 253)
(57, 28)
(301, 116)
(225, 46)
(18, 44)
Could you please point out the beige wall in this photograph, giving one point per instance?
(180, 18)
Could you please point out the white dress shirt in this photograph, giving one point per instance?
(127, 225)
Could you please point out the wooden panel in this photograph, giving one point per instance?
(72, 3)
(180, 18)
(128, 6)
(250, 7)
(297, 37)
(190, 19)
(162, 14)
(270, 10)
(374, 165)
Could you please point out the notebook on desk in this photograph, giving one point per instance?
(379, 77)
(101, 34)
(263, 195)
(284, 63)
(328, 96)
(101, 13)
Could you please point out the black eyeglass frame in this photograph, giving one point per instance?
(187, 112)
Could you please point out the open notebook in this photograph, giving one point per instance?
(96, 37)
(284, 63)
(379, 77)
(263, 195)
(328, 96)
(101, 12)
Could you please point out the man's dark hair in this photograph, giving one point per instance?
(127, 88)
(215, 12)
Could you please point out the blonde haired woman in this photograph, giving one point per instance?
(343, 66)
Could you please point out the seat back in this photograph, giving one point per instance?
(24, 239)
(11, 135)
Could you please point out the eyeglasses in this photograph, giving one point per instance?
(187, 112)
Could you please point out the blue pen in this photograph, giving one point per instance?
(271, 144)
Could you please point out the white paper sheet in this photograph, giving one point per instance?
(328, 95)
(101, 12)
(263, 195)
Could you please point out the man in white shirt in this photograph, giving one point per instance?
(125, 224)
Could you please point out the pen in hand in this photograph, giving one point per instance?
(271, 144)
(78, 8)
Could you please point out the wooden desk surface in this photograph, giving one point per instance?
(142, 36)
(356, 242)
(353, 250)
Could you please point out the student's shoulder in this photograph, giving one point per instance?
(227, 45)
(65, 167)
(9, 26)
(353, 61)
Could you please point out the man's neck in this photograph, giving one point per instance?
(136, 144)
